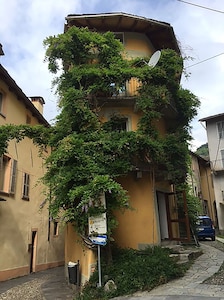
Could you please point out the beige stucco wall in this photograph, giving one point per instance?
(19, 217)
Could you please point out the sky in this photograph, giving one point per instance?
(26, 23)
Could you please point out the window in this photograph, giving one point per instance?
(56, 229)
(119, 36)
(222, 157)
(26, 186)
(119, 123)
(8, 168)
(13, 177)
(1, 103)
(220, 126)
(117, 91)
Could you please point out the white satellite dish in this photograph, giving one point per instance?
(154, 59)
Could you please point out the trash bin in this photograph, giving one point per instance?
(73, 272)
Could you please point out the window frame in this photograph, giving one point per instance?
(222, 157)
(13, 177)
(220, 129)
(8, 174)
(55, 228)
(2, 103)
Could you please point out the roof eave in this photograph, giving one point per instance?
(21, 96)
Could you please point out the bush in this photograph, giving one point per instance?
(133, 271)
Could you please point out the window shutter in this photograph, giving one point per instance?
(26, 185)
(1, 174)
(12, 186)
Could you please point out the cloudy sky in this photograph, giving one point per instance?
(26, 23)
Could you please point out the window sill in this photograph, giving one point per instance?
(4, 193)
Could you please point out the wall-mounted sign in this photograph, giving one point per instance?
(98, 224)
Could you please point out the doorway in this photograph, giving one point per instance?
(173, 216)
(162, 211)
(33, 248)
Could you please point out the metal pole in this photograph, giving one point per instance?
(99, 267)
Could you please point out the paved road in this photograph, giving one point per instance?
(51, 284)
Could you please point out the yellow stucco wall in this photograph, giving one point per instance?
(138, 226)
(207, 189)
(19, 217)
(137, 45)
(75, 250)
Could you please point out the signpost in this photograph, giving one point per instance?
(97, 233)
(100, 240)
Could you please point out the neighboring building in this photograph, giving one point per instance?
(215, 135)
(156, 216)
(30, 241)
(201, 182)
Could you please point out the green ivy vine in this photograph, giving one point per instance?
(87, 156)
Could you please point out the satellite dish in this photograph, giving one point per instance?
(154, 59)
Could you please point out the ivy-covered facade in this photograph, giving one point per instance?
(120, 142)
(124, 132)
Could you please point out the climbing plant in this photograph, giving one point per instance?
(87, 155)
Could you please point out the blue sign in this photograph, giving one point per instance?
(99, 240)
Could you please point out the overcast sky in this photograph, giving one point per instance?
(26, 23)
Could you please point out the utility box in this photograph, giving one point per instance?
(73, 272)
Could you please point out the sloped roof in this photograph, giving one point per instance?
(4, 75)
(218, 116)
(161, 34)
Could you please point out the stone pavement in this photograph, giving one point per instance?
(45, 285)
(52, 285)
(190, 287)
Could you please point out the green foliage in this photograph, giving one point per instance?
(133, 271)
(203, 151)
(88, 156)
(39, 134)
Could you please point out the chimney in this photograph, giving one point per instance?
(38, 102)
(1, 50)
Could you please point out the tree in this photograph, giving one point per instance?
(88, 156)
(203, 151)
